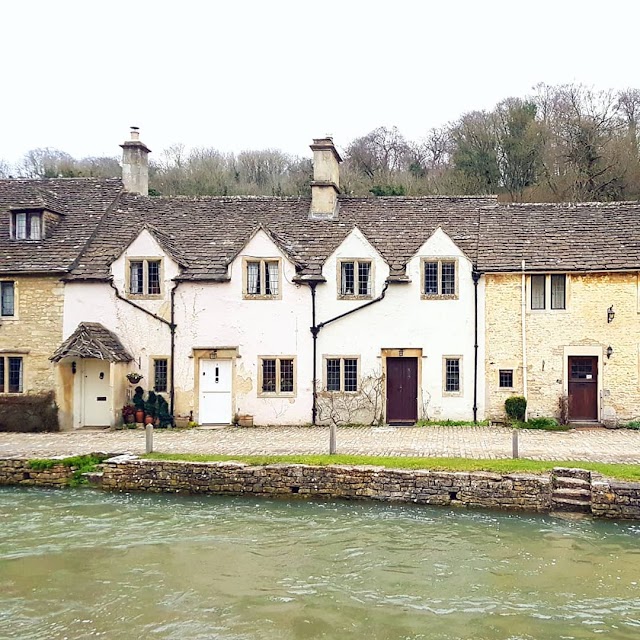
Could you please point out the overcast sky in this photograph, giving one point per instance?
(255, 74)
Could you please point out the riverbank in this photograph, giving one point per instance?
(562, 489)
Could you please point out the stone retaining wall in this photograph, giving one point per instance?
(19, 472)
(516, 492)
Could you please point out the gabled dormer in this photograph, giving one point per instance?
(32, 223)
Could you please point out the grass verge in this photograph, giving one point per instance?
(83, 464)
(628, 472)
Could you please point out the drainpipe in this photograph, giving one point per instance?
(476, 277)
(315, 330)
(524, 339)
(314, 333)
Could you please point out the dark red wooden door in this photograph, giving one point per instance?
(583, 387)
(402, 389)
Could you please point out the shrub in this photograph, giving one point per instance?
(29, 413)
(516, 406)
(548, 424)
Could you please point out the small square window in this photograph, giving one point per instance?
(506, 378)
(11, 374)
(26, 225)
(342, 374)
(145, 277)
(262, 279)
(277, 376)
(439, 279)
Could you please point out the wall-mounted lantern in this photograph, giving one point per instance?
(611, 314)
(73, 368)
(609, 351)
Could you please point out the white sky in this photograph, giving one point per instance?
(255, 74)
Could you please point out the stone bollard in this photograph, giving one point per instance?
(514, 444)
(332, 439)
(149, 438)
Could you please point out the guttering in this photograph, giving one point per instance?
(524, 338)
(315, 330)
(476, 277)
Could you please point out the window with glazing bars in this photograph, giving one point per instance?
(538, 292)
(27, 226)
(342, 374)
(7, 299)
(160, 374)
(278, 375)
(355, 278)
(506, 378)
(144, 277)
(558, 291)
(263, 277)
(439, 278)
(10, 374)
(452, 375)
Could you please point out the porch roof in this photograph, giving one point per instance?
(92, 340)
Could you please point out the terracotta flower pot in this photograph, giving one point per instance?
(139, 415)
(149, 420)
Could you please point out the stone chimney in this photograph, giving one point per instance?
(325, 186)
(135, 164)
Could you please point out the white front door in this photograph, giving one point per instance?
(96, 393)
(215, 392)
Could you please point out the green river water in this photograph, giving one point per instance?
(85, 564)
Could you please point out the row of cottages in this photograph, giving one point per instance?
(295, 310)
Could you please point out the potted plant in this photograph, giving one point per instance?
(165, 419)
(133, 377)
(151, 408)
(128, 414)
(138, 403)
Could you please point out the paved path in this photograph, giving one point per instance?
(601, 445)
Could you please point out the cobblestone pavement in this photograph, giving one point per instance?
(602, 445)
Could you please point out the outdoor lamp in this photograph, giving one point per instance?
(73, 367)
(609, 351)
(611, 314)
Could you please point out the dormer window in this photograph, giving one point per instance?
(26, 225)
(145, 277)
(355, 279)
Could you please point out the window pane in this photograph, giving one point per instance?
(15, 375)
(271, 275)
(350, 374)
(286, 376)
(347, 279)
(21, 226)
(452, 375)
(537, 292)
(7, 299)
(35, 226)
(448, 278)
(364, 278)
(333, 374)
(253, 278)
(268, 376)
(431, 278)
(2, 389)
(153, 267)
(558, 288)
(506, 377)
(160, 374)
(135, 277)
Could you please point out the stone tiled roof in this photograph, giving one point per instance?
(560, 237)
(92, 340)
(210, 231)
(81, 201)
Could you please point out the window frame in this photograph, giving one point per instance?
(14, 315)
(277, 393)
(325, 373)
(548, 302)
(459, 391)
(356, 271)
(440, 260)
(4, 377)
(30, 215)
(152, 372)
(505, 371)
(263, 261)
(145, 260)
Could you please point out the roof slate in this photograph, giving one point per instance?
(210, 231)
(82, 201)
(560, 237)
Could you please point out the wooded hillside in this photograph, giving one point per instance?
(561, 143)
